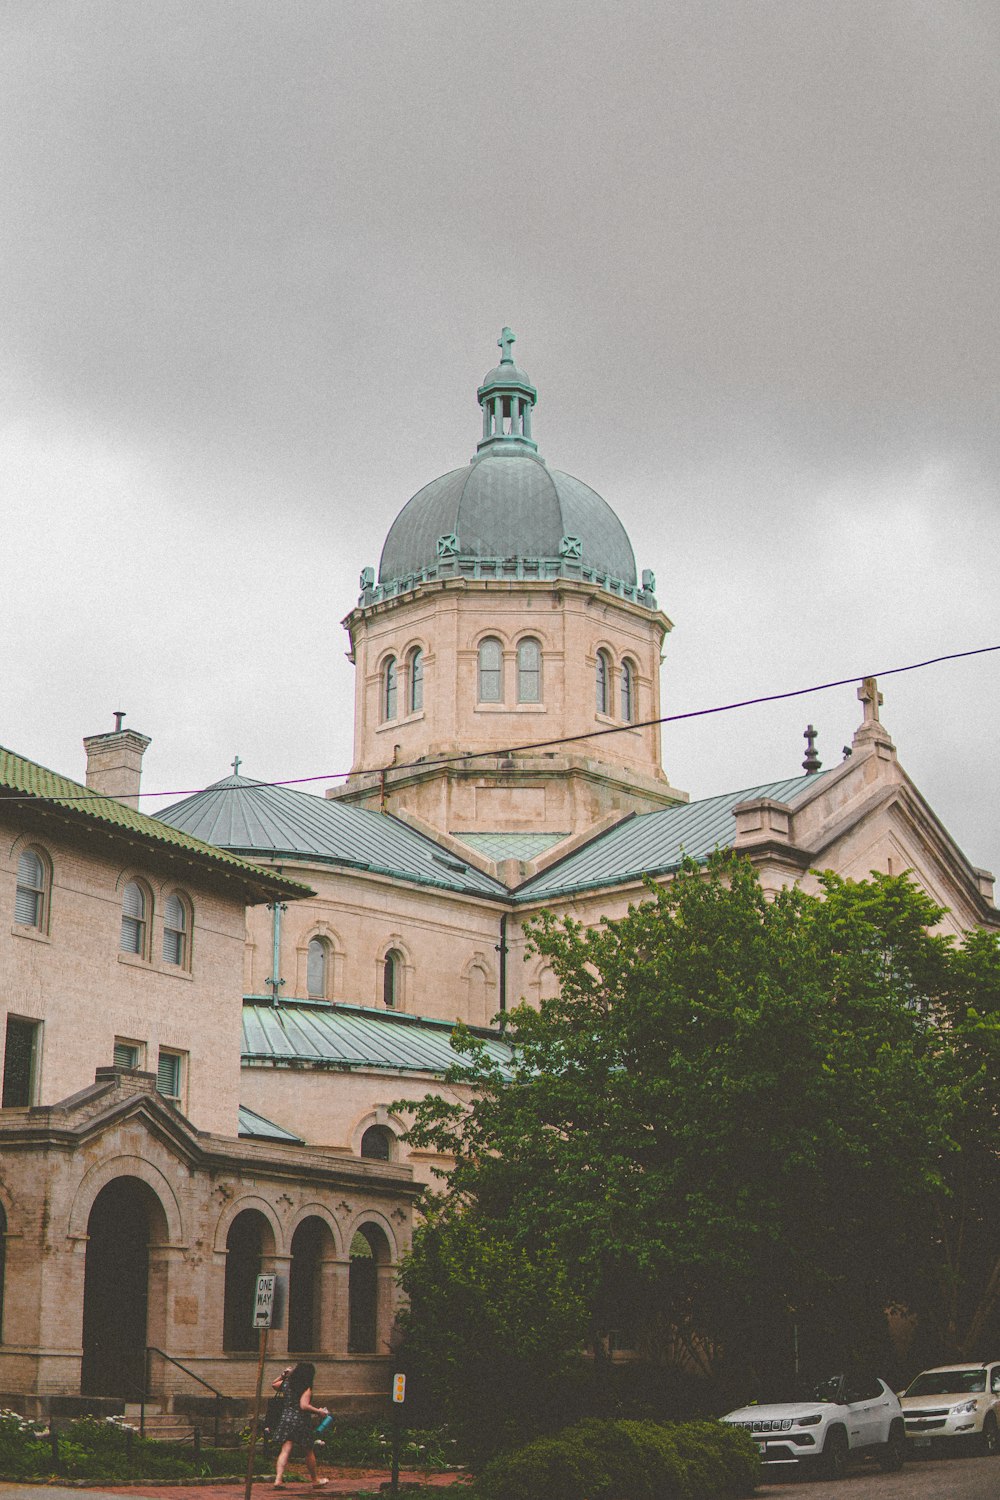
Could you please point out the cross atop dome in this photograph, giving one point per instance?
(507, 398)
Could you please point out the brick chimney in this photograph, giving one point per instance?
(114, 762)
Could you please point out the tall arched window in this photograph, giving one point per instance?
(529, 672)
(604, 678)
(490, 670)
(392, 977)
(317, 968)
(389, 676)
(135, 919)
(628, 692)
(176, 931)
(416, 683)
(30, 903)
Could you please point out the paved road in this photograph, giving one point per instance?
(948, 1478)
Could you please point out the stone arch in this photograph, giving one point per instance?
(124, 1286)
(372, 1253)
(311, 1270)
(543, 983)
(314, 1210)
(249, 1245)
(98, 1178)
(237, 1206)
(319, 931)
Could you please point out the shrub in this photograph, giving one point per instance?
(596, 1460)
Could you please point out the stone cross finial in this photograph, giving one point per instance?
(870, 696)
(503, 344)
(236, 765)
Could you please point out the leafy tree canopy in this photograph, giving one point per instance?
(739, 1114)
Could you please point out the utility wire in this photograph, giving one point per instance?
(566, 739)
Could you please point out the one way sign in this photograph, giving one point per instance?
(264, 1302)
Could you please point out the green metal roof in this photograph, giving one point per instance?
(654, 843)
(498, 846)
(257, 819)
(258, 1128)
(26, 780)
(350, 1036)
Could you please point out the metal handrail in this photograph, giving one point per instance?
(152, 1349)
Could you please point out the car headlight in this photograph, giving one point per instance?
(810, 1421)
(962, 1407)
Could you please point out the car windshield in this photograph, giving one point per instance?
(947, 1383)
(829, 1390)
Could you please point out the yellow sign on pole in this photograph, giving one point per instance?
(399, 1389)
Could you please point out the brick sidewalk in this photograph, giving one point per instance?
(342, 1482)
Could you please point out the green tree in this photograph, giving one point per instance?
(738, 1115)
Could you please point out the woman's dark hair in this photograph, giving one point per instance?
(301, 1379)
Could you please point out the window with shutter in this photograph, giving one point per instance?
(175, 932)
(168, 1076)
(29, 899)
(127, 1054)
(133, 939)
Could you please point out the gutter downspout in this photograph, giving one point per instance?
(503, 950)
(275, 982)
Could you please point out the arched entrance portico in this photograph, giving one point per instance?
(125, 1220)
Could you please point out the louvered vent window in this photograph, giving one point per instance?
(175, 932)
(133, 919)
(126, 1055)
(29, 900)
(168, 1076)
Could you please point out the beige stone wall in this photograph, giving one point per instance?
(333, 1108)
(447, 621)
(73, 978)
(448, 943)
(48, 1188)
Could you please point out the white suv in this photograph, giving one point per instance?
(954, 1402)
(846, 1418)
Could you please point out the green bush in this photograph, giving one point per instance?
(597, 1460)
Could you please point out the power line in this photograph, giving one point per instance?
(568, 739)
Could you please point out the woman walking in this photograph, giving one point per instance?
(295, 1430)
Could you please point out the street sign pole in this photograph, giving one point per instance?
(263, 1305)
(398, 1397)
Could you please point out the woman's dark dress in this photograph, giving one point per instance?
(295, 1424)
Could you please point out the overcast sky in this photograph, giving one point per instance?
(254, 259)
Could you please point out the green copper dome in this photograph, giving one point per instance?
(507, 514)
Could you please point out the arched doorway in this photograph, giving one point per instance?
(369, 1251)
(312, 1243)
(126, 1218)
(247, 1242)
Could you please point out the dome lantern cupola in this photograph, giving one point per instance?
(506, 397)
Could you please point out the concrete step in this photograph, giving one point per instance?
(161, 1426)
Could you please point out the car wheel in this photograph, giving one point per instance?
(893, 1455)
(989, 1441)
(835, 1454)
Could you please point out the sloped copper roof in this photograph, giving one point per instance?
(345, 1037)
(255, 819)
(655, 843)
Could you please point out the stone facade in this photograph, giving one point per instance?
(134, 1219)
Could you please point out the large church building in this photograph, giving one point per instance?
(213, 1018)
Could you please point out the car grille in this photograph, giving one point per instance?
(766, 1424)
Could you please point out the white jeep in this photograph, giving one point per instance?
(845, 1418)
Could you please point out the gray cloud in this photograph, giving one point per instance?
(252, 264)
